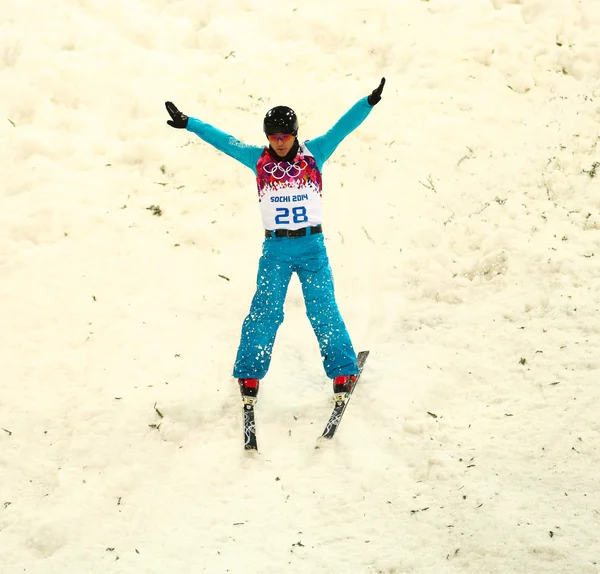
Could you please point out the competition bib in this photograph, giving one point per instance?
(289, 192)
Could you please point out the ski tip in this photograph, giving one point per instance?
(361, 359)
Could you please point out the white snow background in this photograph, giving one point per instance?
(462, 221)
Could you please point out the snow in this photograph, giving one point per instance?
(462, 222)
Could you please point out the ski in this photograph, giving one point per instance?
(249, 423)
(341, 401)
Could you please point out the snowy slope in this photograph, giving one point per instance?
(462, 221)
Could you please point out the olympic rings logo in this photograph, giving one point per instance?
(281, 169)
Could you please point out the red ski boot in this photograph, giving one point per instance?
(343, 384)
(248, 387)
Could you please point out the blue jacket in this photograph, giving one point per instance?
(321, 147)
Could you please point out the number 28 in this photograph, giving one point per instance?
(283, 215)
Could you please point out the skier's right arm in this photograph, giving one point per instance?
(245, 154)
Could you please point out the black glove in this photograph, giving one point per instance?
(180, 120)
(375, 94)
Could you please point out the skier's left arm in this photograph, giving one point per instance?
(323, 146)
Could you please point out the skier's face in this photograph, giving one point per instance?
(281, 143)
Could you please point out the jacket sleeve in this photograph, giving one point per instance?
(245, 154)
(323, 146)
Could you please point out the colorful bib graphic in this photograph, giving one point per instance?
(274, 176)
(289, 192)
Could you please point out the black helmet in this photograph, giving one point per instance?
(281, 120)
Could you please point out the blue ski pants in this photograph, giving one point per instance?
(281, 257)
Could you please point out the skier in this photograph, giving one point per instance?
(288, 175)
